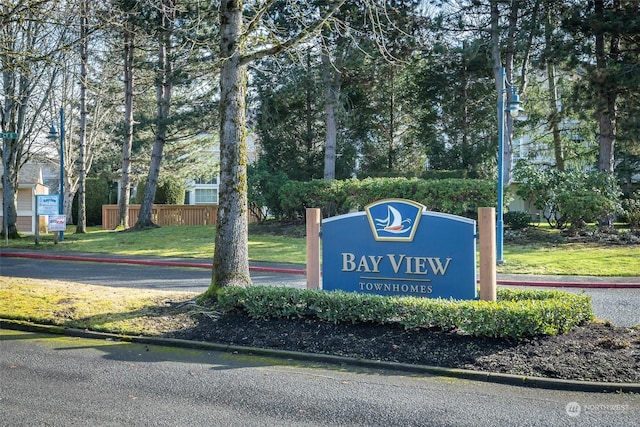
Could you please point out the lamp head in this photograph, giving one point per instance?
(53, 133)
(513, 103)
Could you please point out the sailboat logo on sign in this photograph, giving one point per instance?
(394, 219)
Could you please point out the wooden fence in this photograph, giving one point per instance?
(165, 215)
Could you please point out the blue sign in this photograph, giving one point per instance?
(47, 204)
(396, 247)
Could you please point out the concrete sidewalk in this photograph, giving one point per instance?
(600, 282)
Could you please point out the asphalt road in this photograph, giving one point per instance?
(620, 306)
(64, 381)
(131, 275)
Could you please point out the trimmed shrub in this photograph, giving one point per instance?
(454, 196)
(516, 220)
(329, 196)
(517, 313)
(445, 174)
(97, 193)
(584, 206)
(170, 191)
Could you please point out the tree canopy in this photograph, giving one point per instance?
(325, 90)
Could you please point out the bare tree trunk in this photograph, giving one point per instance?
(29, 58)
(509, 58)
(330, 97)
(555, 111)
(497, 60)
(309, 116)
(508, 66)
(555, 115)
(10, 160)
(9, 193)
(231, 257)
(163, 96)
(81, 226)
(125, 184)
(467, 158)
(607, 91)
(606, 139)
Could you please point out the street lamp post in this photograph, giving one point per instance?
(53, 135)
(510, 92)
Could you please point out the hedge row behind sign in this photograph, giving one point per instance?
(396, 247)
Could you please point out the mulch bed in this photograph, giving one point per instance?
(592, 352)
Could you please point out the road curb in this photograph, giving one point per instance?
(585, 285)
(185, 264)
(497, 378)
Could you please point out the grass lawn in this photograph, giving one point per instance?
(267, 244)
(169, 241)
(572, 259)
(75, 305)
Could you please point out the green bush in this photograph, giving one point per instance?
(264, 189)
(330, 196)
(568, 197)
(516, 220)
(454, 196)
(97, 193)
(444, 174)
(170, 191)
(631, 210)
(516, 314)
(584, 206)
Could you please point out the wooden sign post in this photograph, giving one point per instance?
(313, 248)
(487, 242)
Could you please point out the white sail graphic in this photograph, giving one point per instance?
(393, 223)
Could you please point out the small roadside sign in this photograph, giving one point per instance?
(8, 135)
(57, 222)
(47, 204)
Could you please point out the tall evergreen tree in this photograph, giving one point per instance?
(166, 18)
(604, 35)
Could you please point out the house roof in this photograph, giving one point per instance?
(29, 175)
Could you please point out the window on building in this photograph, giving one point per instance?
(211, 180)
(206, 195)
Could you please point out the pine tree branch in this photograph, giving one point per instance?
(280, 47)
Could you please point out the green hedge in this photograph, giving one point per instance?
(517, 220)
(516, 314)
(455, 196)
(97, 193)
(332, 197)
(170, 191)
